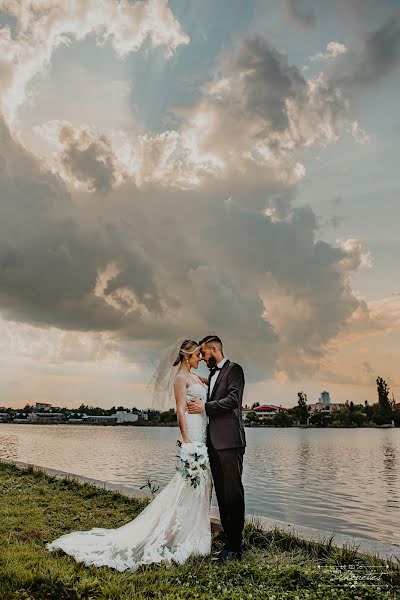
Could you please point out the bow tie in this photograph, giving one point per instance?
(214, 370)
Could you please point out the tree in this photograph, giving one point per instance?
(320, 418)
(168, 416)
(252, 417)
(384, 410)
(302, 408)
(152, 415)
(369, 411)
(255, 405)
(396, 416)
(282, 419)
(350, 415)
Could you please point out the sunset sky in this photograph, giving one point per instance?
(193, 167)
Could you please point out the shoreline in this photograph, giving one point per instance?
(36, 508)
(169, 425)
(383, 550)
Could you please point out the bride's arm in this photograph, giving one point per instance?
(180, 399)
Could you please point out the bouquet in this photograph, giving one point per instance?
(192, 461)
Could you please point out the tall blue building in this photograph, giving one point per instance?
(325, 398)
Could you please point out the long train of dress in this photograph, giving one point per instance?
(174, 526)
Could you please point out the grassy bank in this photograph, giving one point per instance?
(36, 508)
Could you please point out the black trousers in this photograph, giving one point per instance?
(226, 468)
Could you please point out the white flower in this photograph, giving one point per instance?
(192, 462)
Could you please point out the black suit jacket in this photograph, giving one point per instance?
(224, 409)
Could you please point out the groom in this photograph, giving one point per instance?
(226, 441)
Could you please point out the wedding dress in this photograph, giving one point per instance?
(175, 525)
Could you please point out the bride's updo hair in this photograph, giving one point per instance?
(188, 347)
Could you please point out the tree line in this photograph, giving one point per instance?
(383, 412)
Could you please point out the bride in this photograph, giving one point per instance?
(176, 523)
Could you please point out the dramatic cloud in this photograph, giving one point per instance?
(150, 263)
(245, 127)
(43, 25)
(257, 112)
(190, 231)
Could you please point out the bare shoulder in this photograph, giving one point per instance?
(180, 379)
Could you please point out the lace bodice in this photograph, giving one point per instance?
(197, 424)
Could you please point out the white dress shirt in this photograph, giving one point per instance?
(215, 376)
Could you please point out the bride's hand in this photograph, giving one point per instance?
(186, 440)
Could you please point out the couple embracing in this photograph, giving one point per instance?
(176, 523)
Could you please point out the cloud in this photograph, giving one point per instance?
(333, 50)
(257, 112)
(43, 25)
(378, 58)
(151, 263)
(303, 20)
(85, 159)
(381, 52)
(367, 367)
(362, 9)
(189, 231)
(374, 318)
(245, 127)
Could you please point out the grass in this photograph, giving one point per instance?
(35, 508)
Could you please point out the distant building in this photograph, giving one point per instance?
(324, 404)
(266, 410)
(4, 417)
(100, 419)
(325, 398)
(41, 406)
(46, 417)
(123, 416)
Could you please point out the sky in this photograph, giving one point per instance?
(188, 168)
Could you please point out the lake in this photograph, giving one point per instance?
(342, 480)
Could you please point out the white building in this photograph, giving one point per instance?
(265, 411)
(324, 404)
(123, 416)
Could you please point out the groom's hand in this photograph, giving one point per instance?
(195, 406)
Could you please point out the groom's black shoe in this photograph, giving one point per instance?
(226, 555)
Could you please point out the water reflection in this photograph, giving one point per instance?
(9, 445)
(390, 472)
(343, 480)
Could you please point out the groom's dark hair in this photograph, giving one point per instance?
(209, 339)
